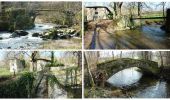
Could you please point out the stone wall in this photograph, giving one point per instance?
(113, 66)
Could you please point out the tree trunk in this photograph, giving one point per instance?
(162, 65)
(133, 53)
(139, 8)
(79, 59)
(117, 8)
(113, 55)
(89, 72)
(120, 54)
(163, 9)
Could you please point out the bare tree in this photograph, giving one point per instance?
(113, 54)
(160, 53)
(117, 8)
(89, 71)
(120, 54)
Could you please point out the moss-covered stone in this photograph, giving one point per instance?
(113, 66)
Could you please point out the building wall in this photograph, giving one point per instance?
(102, 13)
(16, 65)
(40, 65)
(20, 65)
(90, 13)
(13, 66)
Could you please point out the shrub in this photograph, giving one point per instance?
(18, 88)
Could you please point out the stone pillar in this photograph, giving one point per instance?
(168, 21)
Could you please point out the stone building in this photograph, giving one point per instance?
(97, 12)
(39, 65)
(16, 65)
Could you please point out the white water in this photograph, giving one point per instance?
(27, 41)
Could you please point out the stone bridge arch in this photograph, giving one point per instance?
(113, 66)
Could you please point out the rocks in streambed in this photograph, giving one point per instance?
(61, 26)
(62, 33)
(18, 33)
(35, 34)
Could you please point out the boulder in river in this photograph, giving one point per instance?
(64, 33)
(35, 34)
(61, 26)
(19, 33)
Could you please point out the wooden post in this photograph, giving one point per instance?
(167, 20)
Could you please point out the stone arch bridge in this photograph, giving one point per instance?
(111, 67)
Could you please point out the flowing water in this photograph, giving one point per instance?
(138, 86)
(24, 41)
(145, 37)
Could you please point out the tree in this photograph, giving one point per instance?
(133, 54)
(163, 9)
(117, 8)
(120, 54)
(113, 54)
(139, 8)
(160, 53)
(89, 71)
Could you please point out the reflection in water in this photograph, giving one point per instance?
(154, 32)
(156, 91)
(145, 37)
(147, 87)
(125, 77)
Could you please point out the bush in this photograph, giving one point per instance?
(19, 19)
(17, 88)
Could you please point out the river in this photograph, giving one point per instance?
(144, 37)
(136, 85)
(29, 42)
(24, 41)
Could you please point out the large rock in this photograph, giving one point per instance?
(19, 33)
(35, 34)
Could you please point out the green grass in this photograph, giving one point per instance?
(152, 14)
(5, 72)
